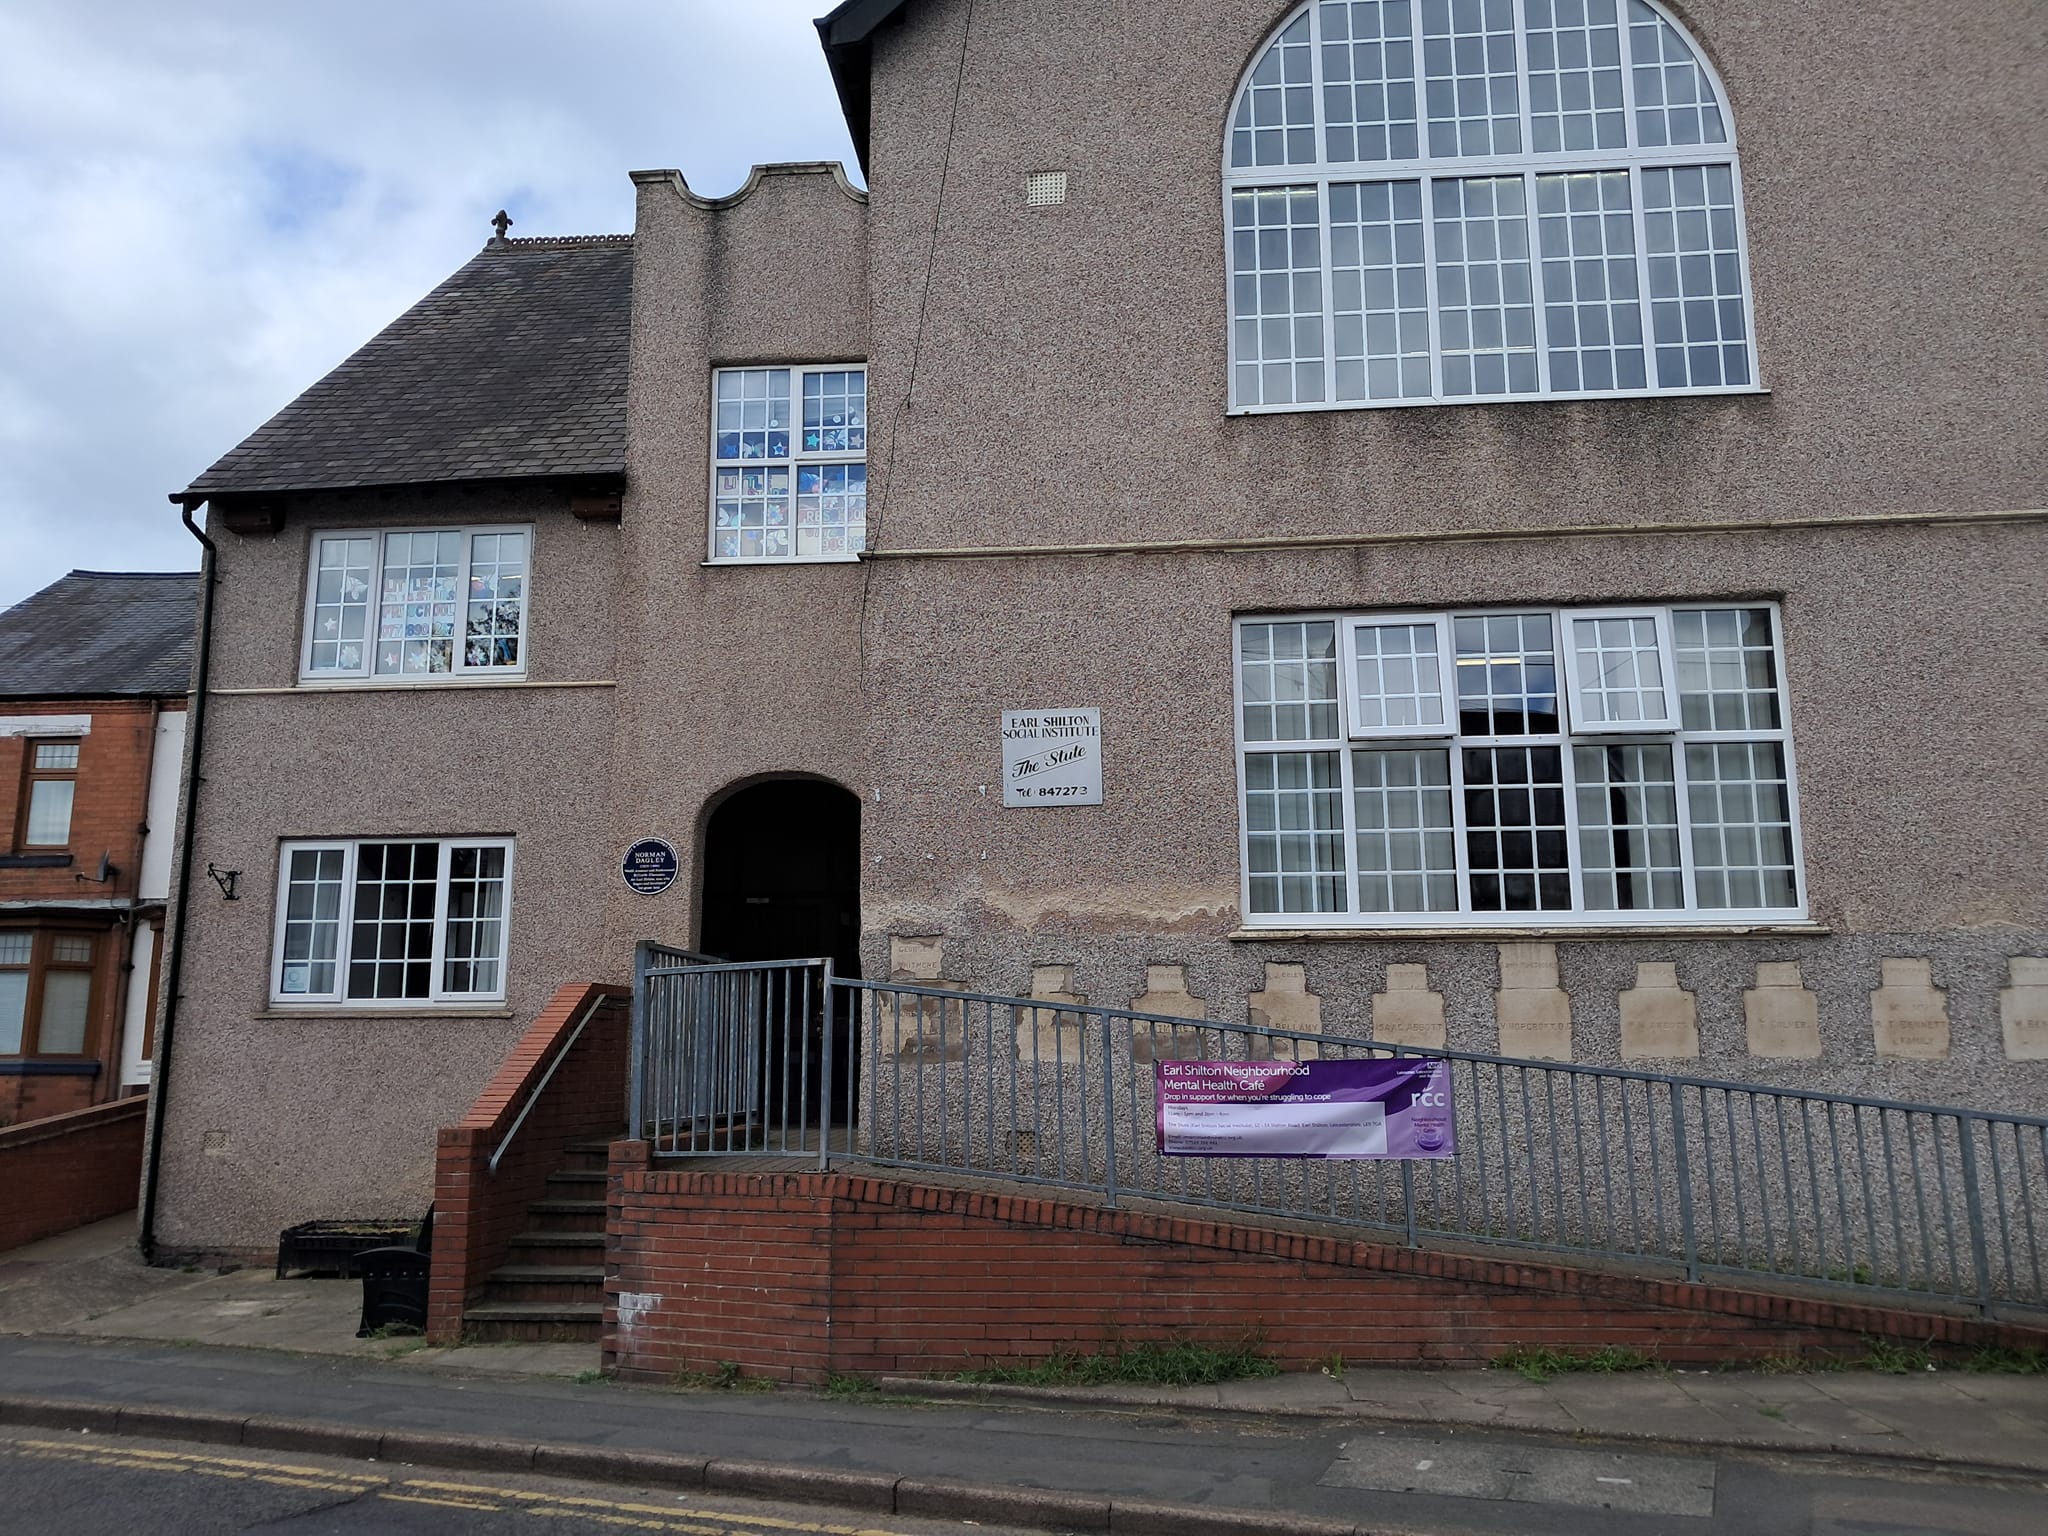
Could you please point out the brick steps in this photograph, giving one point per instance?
(551, 1287)
(544, 1322)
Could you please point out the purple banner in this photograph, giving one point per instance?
(1387, 1108)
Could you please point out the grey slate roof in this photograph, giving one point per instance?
(101, 634)
(514, 367)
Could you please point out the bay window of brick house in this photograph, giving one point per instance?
(46, 992)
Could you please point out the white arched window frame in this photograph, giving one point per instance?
(1454, 201)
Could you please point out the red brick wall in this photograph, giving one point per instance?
(32, 1098)
(63, 1172)
(477, 1212)
(108, 807)
(795, 1276)
(108, 813)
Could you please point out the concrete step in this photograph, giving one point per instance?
(534, 1322)
(558, 1248)
(573, 1180)
(569, 1215)
(592, 1274)
(535, 1284)
(590, 1154)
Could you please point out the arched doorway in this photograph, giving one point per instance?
(782, 874)
(782, 882)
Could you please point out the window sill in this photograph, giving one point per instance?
(1552, 933)
(431, 680)
(35, 861)
(404, 1011)
(781, 560)
(1482, 400)
(356, 685)
(50, 1066)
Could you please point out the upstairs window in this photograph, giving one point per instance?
(1515, 767)
(789, 475)
(417, 604)
(1436, 201)
(49, 787)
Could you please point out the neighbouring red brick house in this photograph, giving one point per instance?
(94, 673)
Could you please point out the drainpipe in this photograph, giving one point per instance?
(160, 1065)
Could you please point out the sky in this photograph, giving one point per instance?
(206, 205)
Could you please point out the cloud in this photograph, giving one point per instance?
(209, 205)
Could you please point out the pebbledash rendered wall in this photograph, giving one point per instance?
(1070, 389)
(276, 1115)
(657, 685)
(729, 674)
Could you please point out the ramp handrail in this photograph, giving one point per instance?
(1703, 1175)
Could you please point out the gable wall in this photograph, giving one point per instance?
(1072, 373)
(1070, 389)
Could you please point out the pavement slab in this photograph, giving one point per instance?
(1633, 1482)
(92, 1283)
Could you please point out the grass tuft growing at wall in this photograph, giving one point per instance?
(1540, 1363)
(1167, 1363)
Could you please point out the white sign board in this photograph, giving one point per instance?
(1052, 757)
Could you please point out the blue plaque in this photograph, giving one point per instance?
(651, 866)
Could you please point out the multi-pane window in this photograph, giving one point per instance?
(392, 922)
(417, 604)
(49, 787)
(789, 472)
(1461, 200)
(1588, 765)
(46, 986)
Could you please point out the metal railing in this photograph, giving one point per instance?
(1700, 1176)
(533, 1095)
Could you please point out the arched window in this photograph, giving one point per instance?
(1456, 200)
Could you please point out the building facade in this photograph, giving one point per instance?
(1535, 506)
(94, 673)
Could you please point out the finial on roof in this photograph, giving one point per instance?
(501, 223)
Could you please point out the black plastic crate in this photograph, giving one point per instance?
(324, 1249)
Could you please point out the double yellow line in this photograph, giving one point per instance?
(420, 1490)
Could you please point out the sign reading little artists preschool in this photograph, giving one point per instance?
(1052, 757)
(1399, 1108)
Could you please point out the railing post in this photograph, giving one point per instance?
(636, 1059)
(1682, 1166)
(1109, 1112)
(825, 1081)
(1408, 1199)
(1973, 1203)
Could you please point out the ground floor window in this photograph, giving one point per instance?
(392, 922)
(1505, 766)
(46, 986)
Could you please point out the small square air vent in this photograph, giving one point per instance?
(1045, 189)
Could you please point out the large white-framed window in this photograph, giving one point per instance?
(1451, 201)
(414, 605)
(789, 463)
(392, 923)
(1517, 767)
